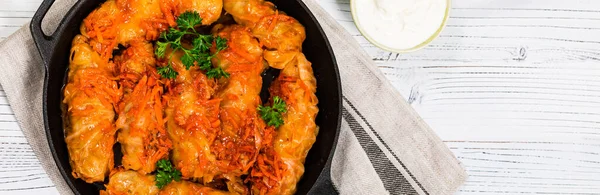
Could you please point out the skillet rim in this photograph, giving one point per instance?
(46, 44)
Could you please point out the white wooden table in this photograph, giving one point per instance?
(511, 86)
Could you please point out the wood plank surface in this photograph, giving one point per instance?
(511, 86)
(20, 171)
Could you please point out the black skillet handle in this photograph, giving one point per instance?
(44, 43)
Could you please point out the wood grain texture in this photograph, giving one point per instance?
(512, 86)
(20, 170)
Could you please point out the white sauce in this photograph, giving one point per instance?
(400, 24)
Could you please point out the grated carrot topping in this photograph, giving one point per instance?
(242, 53)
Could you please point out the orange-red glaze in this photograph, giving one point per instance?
(142, 133)
(122, 21)
(283, 164)
(122, 182)
(189, 188)
(193, 123)
(240, 139)
(282, 35)
(280, 165)
(209, 10)
(228, 150)
(248, 12)
(90, 96)
(212, 125)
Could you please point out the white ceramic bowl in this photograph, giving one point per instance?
(417, 47)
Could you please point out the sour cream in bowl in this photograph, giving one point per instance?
(400, 25)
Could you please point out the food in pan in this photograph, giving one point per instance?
(140, 122)
(281, 164)
(177, 84)
(90, 97)
(285, 156)
(130, 182)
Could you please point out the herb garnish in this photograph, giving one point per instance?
(166, 173)
(198, 54)
(273, 114)
(167, 72)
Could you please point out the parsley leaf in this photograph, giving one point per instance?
(187, 60)
(221, 43)
(188, 20)
(279, 104)
(217, 73)
(166, 173)
(273, 115)
(205, 63)
(161, 48)
(202, 43)
(167, 72)
(198, 54)
(174, 36)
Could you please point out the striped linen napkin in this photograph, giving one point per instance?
(384, 146)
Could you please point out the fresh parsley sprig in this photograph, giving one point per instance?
(273, 115)
(167, 72)
(188, 20)
(166, 173)
(198, 54)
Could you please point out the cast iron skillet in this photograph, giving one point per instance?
(54, 50)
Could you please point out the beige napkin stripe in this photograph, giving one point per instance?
(390, 169)
(428, 159)
(351, 171)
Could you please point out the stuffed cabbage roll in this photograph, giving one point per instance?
(122, 21)
(282, 35)
(193, 123)
(90, 96)
(142, 133)
(122, 182)
(281, 166)
(240, 139)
